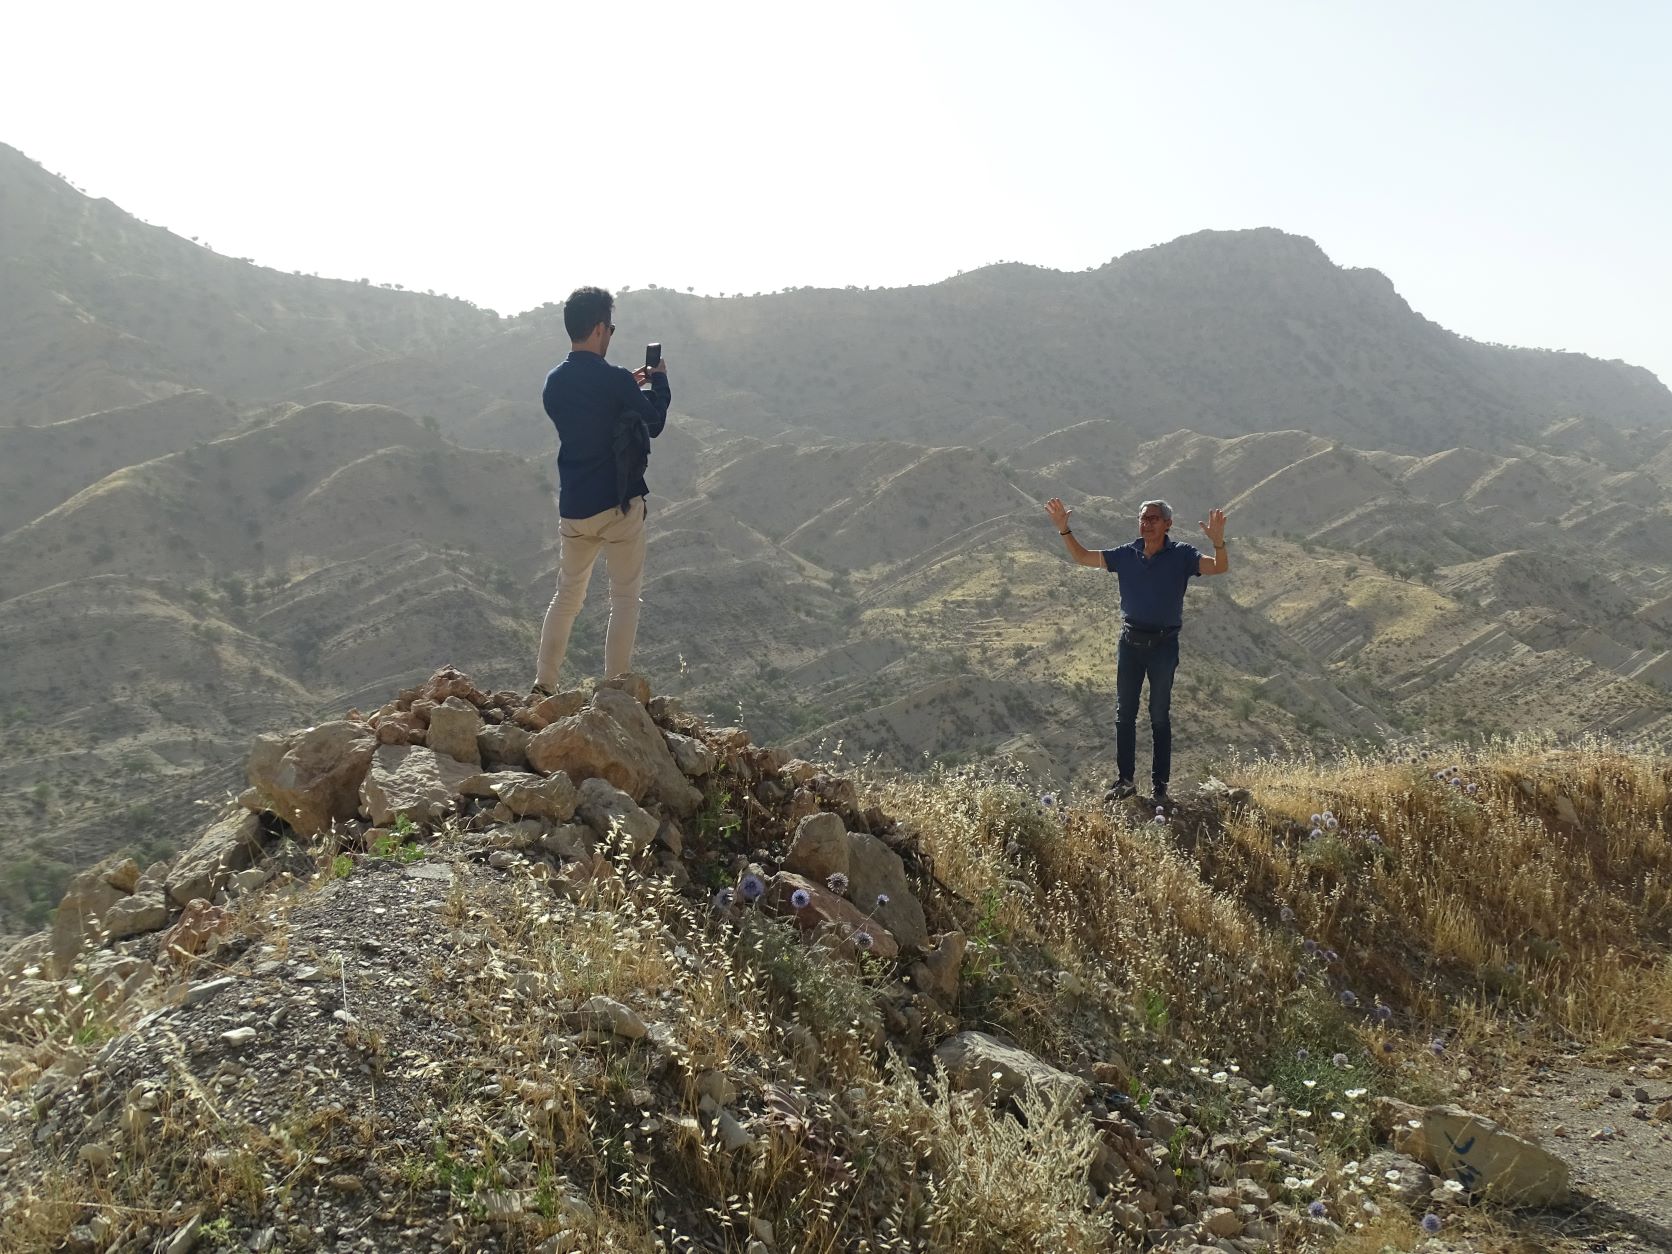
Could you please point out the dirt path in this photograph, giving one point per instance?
(1588, 1112)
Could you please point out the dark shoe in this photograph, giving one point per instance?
(1120, 790)
(1161, 794)
(538, 693)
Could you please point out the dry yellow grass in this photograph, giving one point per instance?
(1533, 898)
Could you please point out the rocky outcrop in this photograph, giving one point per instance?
(412, 782)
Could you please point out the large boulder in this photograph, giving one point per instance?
(667, 782)
(875, 871)
(453, 728)
(412, 782)
(312, 778)
(614, 739)
(590, 745)
(225, 849)
(982, 1063)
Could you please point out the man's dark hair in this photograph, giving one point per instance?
(585, 309)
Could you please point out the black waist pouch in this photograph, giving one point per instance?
(1146, 638)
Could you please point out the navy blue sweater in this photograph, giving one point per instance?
(583, 397)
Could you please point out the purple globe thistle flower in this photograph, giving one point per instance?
(1349, 998)
(1309, 945)
(751, 886)
(1472, 789)
(1373, 838)
(1317, 820)
(1437, 1046)
(1387, 1047)
(1160, 819)
(1457, 781)
(1048, 800)
(862, 940)
(1331, 956)
(1331, 822)
(1383, 1013)
(1286, 914)
(723, 899)
(1302, 1054)
(801, 899)
(1317, 833)
(837, 883)
(1317, 1210)
(1440, 775)
(1339, 1060)
(1432, 1223)
(882, 900)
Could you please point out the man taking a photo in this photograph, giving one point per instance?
(1154, 572)
(604, 427)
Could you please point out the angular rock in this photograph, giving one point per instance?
(938, 974)
(590, 745)
(540, 796)
(690, 755)
(449, 682)
(630, 682)
(1482, 1155)
(667, 782)
(453, 728)
(608, 1014)
(417, 783)
(312, 778)
(616, 817)
(827, 914)
(876, 870)
(570, 841)
(803, 804)
(484, 786)
(84, 904)
(981, 1063)
(820, 849)
(559, 705)
(799, 770)
(34, 950)
(228, 846)
(503, 747)
(133, 916)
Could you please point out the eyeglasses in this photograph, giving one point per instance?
(1144, 518)
(612, 328)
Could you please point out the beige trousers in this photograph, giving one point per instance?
(621, 539)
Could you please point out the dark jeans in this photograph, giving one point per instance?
(1133, 665)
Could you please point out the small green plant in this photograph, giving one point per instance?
(342, 866)
(1155, 1011)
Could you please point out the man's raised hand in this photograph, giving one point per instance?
(1058, 512)
(1214, 527)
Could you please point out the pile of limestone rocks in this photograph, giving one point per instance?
(579, 789)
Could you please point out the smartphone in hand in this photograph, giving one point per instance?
(652, 356)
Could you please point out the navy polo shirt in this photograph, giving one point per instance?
(1152, 588)
(583, 397)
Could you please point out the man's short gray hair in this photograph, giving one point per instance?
(1166, 509)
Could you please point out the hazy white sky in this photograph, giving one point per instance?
(1505, 164)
